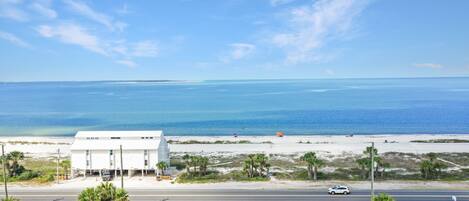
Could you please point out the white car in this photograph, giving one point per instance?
(339, 190)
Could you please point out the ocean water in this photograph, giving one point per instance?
(245, 107)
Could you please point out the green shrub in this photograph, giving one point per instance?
(27, 175)
(382, 197)
(104, 192)
(46, 178)
(241, 176)
(210, 177)
(178, 164)
(88, 194)
(10, 199)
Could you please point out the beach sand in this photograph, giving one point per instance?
(324, 145)
(327, 146)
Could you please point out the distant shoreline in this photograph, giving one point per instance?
(253, 135)
(272, 79)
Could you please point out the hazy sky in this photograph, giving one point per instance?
(232, 39)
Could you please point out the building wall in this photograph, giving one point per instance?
(101, 159)
(78, 159)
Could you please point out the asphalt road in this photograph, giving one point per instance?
(245, 195)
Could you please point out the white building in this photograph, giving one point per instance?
(93, 151)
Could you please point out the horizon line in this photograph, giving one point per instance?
(253, 79)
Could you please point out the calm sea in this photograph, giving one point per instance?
(247, 107)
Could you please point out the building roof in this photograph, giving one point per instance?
(108, 144)
(108, 134)
(111, 140)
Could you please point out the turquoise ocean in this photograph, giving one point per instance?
(244, 107)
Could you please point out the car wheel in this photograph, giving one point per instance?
(345, 193)
(332, 192)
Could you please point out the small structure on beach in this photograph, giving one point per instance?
(279, 134)
(95, 151)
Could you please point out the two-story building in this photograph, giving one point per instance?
(94, 151)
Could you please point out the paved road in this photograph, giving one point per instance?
(246, 195)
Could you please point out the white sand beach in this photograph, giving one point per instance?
(324, 145)
(327, 146)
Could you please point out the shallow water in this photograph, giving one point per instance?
(248, 107)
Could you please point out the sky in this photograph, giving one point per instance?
(75, 40)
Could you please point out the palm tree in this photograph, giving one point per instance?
(188, 162)
(106, 191)
(439, 166)
(364, 164)
(121, 195)
(195, 164)
(382, 197)
(4, 159)
(426, 168)
(256, 165)
(15, 157)
(203, 163)
(249, 165)
(162, 166)
(313, 163)
(89, 194)
(432, 156)
(65, 164)
(262, 164)
(378, 160)
(103, 192)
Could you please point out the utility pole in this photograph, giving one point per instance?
(4, 161)
(122, 172)
(372, 169)
(57, 169)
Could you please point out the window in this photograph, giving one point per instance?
(87, 152)
(145, 152)
(115, 138)
(87, 162)
(146, 162)
(111, 161)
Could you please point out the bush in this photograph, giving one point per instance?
(10, 199)
(178, 164)
(210, 177)
(241, 176)
(46, 178)
(27, 175)
(215, 177)
(382, 197)
(104, 192)
(88, 194)
(302, 175)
